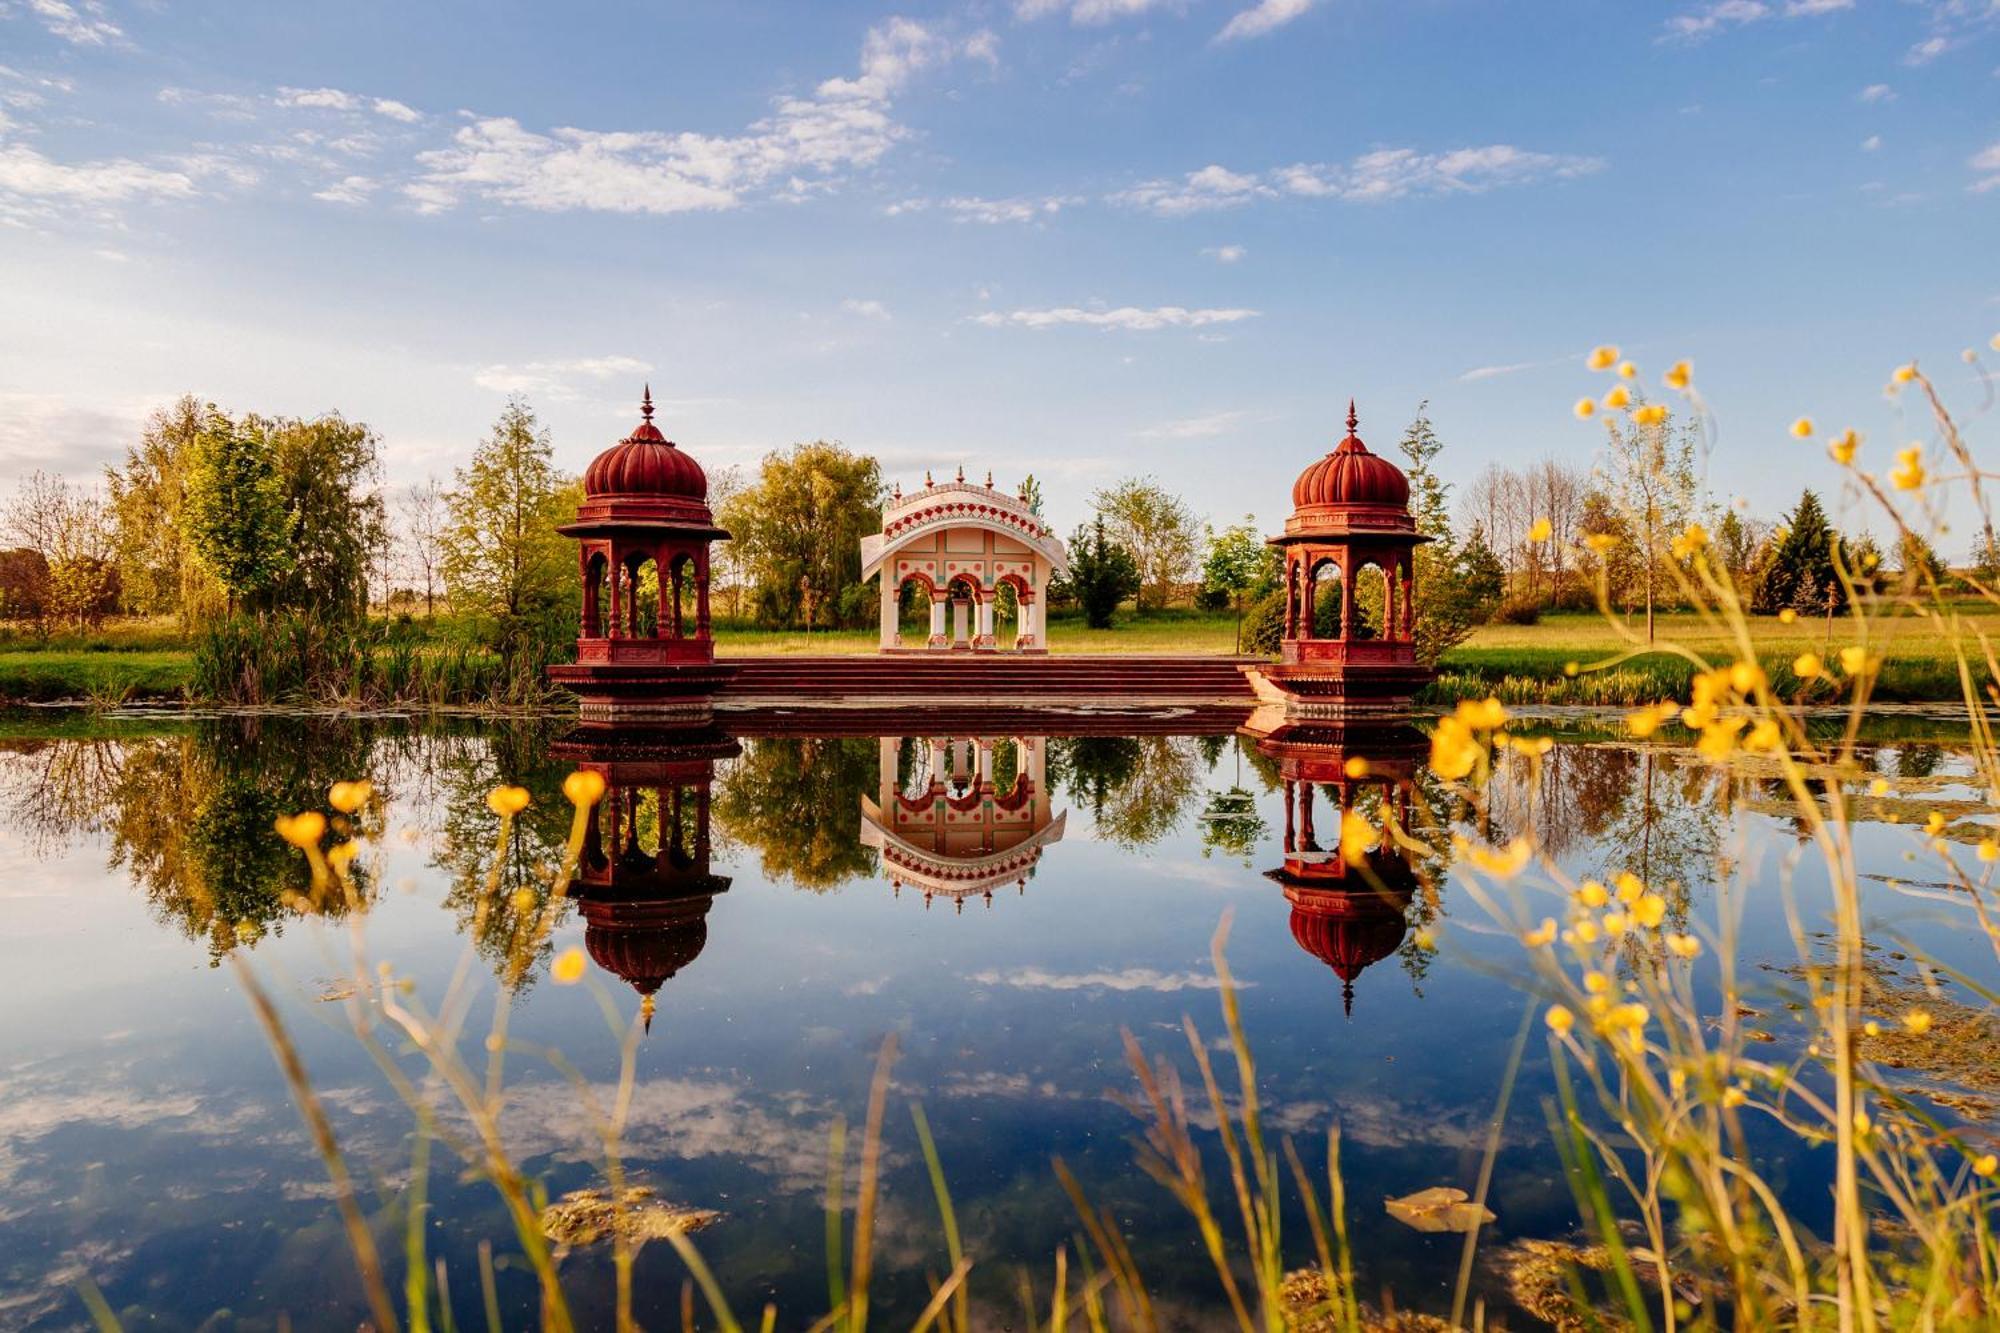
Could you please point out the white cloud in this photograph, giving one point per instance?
(1871, 143)
(1805, 8)
(80, 24)
(394, 110)
(1225, 254)
(1878, 92)
(557, 379)
(1385, 174)
(1194, 428)
(1262, 17)
(34, 186)
(1125, 979)
(972, 208)
(1086, 13)
(1131, 319)
(1926, 51)
(334, 99)
(866, 309)
(347, 190)
(1709, 18)
(800, 148)
(1986, 165)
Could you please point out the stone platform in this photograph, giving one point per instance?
(872, 681)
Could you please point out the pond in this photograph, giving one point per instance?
(1006, 895)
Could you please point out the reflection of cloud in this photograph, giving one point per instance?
(1126, 979)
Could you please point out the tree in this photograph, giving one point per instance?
(335, 522)
(800, 527)
(1986, 557)
(503, 557)
(729, 573)
(1238, 565)
(1649, 475)
(1801, 570)
(159, 570)
(234, 510)
(1031, 493)
(425, 522)
(1101, 572)
(1446, 605)
(1918, 563)
(1157, 529)
(1480, 577)
(1738, 542)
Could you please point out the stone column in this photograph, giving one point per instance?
(986, 763)
(985, 640)
(616, 573)
(960, 614)
(1027, 628)
(888, 750)
(588, 629)
(1347, 594)
(891, 636)
(937, 623)
(937, 763)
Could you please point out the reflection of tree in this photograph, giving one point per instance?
(1231, 825)
(1135, 788)
(793, 799)
(497, 895)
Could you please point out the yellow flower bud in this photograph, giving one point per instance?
(507, 800)
(1807, 665)
(1918, 1021)
(1540, 531)
(1602, 358)
(1592, 894)
(1585, 408)
(1620, 396)
(1787, 616)
(347, 797)
(568, 967)
(584, 787)
(1559, 1019)
(302, 830)
(1904, 374)
(1651, 414)
(1802, 428)
(1678, 375)
(1626, 370)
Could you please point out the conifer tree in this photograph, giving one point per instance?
(1801, 568)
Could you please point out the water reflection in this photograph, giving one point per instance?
(644, 878)
(960, 818)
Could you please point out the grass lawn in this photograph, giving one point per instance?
(40, 674)
(1172, 631)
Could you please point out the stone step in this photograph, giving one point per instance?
(964, 675)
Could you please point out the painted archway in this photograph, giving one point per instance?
(963, 541)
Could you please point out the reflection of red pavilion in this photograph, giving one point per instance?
(1350, 540)
(644, 652)
(1348, 914)
(643, 879)
(952, 829)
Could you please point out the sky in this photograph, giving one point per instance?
(1086, 239)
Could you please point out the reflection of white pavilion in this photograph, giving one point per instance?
(950, 828)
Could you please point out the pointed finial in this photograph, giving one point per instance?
(1347, 998)
(1352, 420)
(961, 472)
(646, 403)
(899, 491)
(989, 479)
(646, 1013)
(927, 478)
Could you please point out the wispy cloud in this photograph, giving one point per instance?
(1262, 17)
(1131, 319)
(352, 190)
(1985, 166)
(802, 146)
(1125, 979)
(1375, 177)
(84, 23)
(1225, 254)
(1478, 373)
(1086, 13)
(867, 309)
(992, 212)
(1194, 428)
(557, 380)
(1877, 92)
(1926, 51)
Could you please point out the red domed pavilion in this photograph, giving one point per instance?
(1351, 530)
(644, 653)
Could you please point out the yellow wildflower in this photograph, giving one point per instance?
(1601, 542)
(1903, 374)
(1650, 414)
(1764, 736)
(341, 856)
(1630, 886)
(1989, 850)
(1802, 428)
(1934, 825)
(1591, 894)
(1854, 660)
(1863, 1126)
(1879, 787)
(1541, 935)
(1615, 923)
(1692, 539)
(1357, 838)
(584, 788)
(568, 967)
(1454, 749)
(1678, 375)
(1596, 982)
(1571, 667)
(1586, 932)
(1908, 474)
(302, 830)
(1485, 714)
(1585, 408)
(347, 797)
(1504, 863)
(1733, 1097)
(1871, 1029)
(1842, 447)
(1989, 1164)
(1560, 1019)
(1718, 739)
(507, 800)
(1356, 767)
(1602, 358)
(1744, 677)
(1807, 665)
(1650, 911)
(1620, 396)
(1787, 616)
(1918, 1021)
(1683, 946)
(1626, 370)
(1540, 531)
(522, 901)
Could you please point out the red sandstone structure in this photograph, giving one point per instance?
(1350, 528)
(644, 656)
(1348, 913)
(952, 829)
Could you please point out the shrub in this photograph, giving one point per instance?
(1518, 610)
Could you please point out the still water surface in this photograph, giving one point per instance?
(1004, 896)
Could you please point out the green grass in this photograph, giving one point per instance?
(1175, 630)
(39, 675)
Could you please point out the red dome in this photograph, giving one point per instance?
(1349, 932)
(645, 463)
(1350, 475)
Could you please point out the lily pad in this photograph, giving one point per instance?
(1439, 1208)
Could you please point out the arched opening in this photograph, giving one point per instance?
(915, 622)
(964, 597)
(683, 614)
(1323, 597)
(642, 598)
(1372, 601)
(596, 599)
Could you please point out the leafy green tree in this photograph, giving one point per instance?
(1986, 557)
(328, 471)
(1801, 570)
(159, 571)
(1919, 564)
(1101, 574)
(1481, 578)
(793, 799)
(1737, 543)
(1031, 493)
(799, 527)
(1238, 566)
(1158, 531)
(503, 558)
(1445, 609)
(1650, 475)
(234, 511)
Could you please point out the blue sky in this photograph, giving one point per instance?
(1087, 238)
